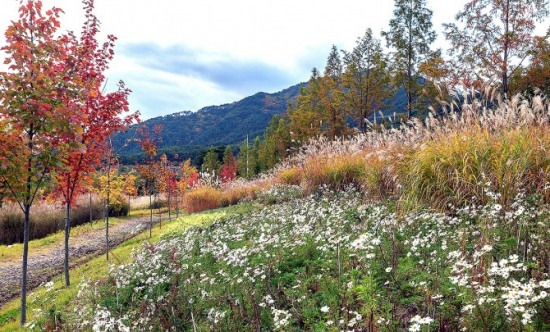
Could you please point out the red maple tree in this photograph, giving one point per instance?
(33, 117)
(96, 115)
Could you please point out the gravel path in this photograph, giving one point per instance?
(42, 267)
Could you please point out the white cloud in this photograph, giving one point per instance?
(284, 37)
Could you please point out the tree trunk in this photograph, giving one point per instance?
(157, 198)
(26, 229)
(91, 214)
(409, 69)
(177, 205)
(129, 202)
(107, 203)
(151, 218)
(169, 203)
(67, 233)
(506, 50)
(106, 214)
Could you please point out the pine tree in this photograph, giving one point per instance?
(245, 164)
(281, 136)
(410, 37)
(267, 151)
(257, 165)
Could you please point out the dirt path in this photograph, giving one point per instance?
(42, 267)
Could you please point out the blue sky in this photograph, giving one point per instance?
(183, 55)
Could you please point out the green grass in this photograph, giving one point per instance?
(96, 268)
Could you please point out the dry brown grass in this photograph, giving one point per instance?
(334, 172)
(202, 198)
(232, 196)
(46, 218)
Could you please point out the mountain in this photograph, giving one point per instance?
(189, 134)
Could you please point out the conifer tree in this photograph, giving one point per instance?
(245, 164)
(211, 163)
(332, 96)
(308, 115)
(366, 79)
(410, 36)
(257, 165)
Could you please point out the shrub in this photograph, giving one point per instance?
(334, 172)
(119, 211)
(290, 176)
(202, 198)
(158, 203)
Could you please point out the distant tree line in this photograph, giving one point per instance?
(492, 44)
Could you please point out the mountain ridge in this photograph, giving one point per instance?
(189, 133)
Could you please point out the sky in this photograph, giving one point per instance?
(180, 55)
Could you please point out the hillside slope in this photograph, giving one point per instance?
(189, 134)
(186, 131)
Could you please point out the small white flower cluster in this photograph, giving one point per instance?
(520, 298)
(281, 318)
(49, 286)
(104, 322)
(215, 315)
(417, 322)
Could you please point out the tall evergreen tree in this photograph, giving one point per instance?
(332, 96)
(410, 36)
(495, 39)
(308, 115)
(267, 153)
(366, 79)
(258, 165)
(246, 164)
(211, 163)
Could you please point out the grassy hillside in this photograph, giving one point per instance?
(48, 304)
(438, 225)
(330, 262)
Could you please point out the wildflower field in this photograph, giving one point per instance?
(403, 187)
(442, 225)
(334, 262)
